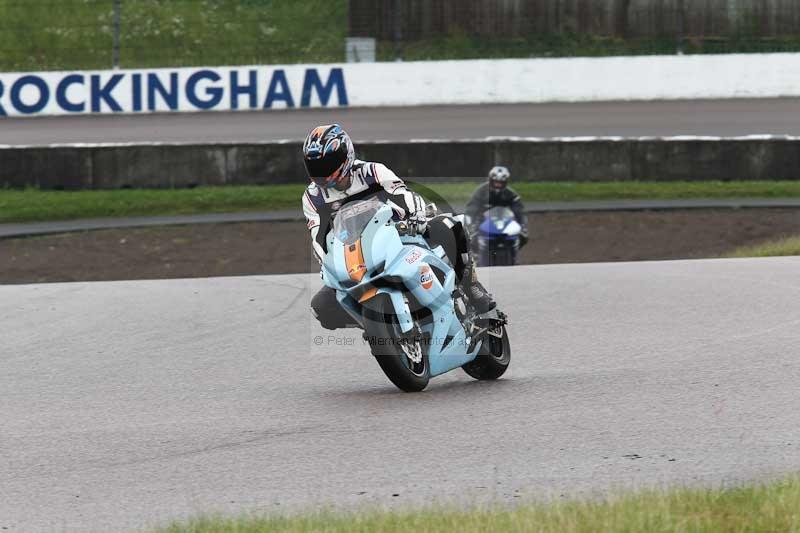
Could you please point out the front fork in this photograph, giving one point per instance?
(491, 324)
(477, 326)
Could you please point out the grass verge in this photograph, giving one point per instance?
(767, 507)
(779, 247)
(35, 205)
(77, 34)
(459, 45)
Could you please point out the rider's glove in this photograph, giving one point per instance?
(419, 221)
(472, 234)
(417, 215)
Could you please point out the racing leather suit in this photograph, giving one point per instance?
(366, 179)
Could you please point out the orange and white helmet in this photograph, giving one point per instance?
(328, 154)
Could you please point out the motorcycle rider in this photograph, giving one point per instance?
(496, 192)
(337, 177)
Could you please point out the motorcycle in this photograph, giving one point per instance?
(498, 238)
(402, 292)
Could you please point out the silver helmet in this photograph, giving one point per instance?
(498, 177)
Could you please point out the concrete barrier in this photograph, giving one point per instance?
(159, 165)
(46, 168)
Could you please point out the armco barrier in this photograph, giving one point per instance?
(112, 166)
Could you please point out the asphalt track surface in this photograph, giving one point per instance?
(126, 404)
(779, 116)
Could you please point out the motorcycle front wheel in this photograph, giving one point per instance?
(493, 358)
(399, 355)
(503, 257)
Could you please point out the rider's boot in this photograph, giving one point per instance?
(477, 295)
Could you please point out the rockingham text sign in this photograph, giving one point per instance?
(165, 90)
(503, 81)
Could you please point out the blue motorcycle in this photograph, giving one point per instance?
(498, 238)
(402, 291)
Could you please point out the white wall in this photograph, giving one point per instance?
(598, 79)
(406, 84)
(577, 79)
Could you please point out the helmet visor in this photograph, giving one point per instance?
(322, 168)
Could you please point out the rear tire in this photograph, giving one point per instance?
(493, 358)
(395, 355)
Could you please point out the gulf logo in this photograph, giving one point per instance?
(426, 277)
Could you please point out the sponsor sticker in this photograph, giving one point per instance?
(426, 277)
(356, 269)
(413, 257)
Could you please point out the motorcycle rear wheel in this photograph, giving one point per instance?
(493, 358)
(401, 358)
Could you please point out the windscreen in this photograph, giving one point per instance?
(496, 214)
(351, 220)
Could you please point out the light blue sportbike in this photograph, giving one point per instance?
(402, 291)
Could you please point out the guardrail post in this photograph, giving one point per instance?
(115, 23)
(681, 27)
(397, 30)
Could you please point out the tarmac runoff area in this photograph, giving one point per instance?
(127, 404)
(726, 118)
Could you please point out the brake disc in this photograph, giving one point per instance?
(412, 350)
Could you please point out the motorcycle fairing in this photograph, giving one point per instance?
(507, 227)
(410, 259)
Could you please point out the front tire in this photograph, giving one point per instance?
(400, 357)
(503, 257)
(493, 358)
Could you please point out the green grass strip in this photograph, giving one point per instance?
(768, 507)
(779, 247)
(76, 34)
(35, 205)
